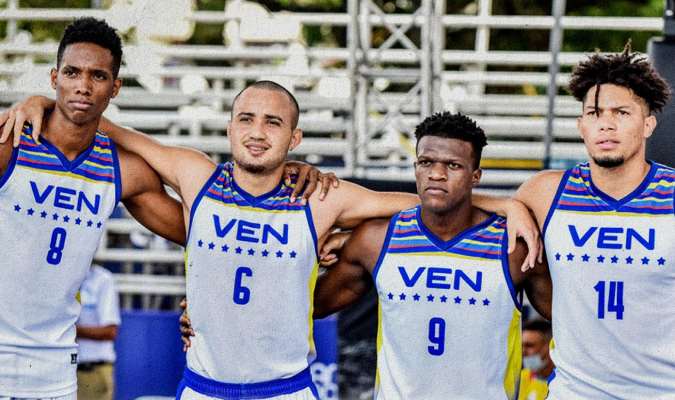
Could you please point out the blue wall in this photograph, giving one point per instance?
(150, 358)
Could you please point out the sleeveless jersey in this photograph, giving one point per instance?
(612, 263)
(449, 317)
(52, 212)
(251, 265)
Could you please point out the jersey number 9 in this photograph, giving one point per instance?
(436, 336)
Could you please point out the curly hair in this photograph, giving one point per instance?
(454, 126)
(628, 69)
(96, 31)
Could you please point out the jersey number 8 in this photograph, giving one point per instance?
(56, 246)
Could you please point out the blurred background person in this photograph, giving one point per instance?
(96, 332)
(537, 363)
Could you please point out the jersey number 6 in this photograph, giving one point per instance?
(241, 294)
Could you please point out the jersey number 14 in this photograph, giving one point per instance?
(612, 301)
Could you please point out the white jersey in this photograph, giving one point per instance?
(52, 212)
(251, 265)
(449, 317)
(100, 307)
(612, 263)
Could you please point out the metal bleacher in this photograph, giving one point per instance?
(359, 102)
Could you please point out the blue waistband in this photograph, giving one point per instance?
(259, 390)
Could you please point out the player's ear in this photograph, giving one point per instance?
(475, 176)
(53, 74)
(117, 84)
(649, 126)
(296, 138)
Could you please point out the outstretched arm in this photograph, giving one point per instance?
(146, 200)
(185, 170)
(344, 283)
(521, 225)
(536, 281)
(350, 204)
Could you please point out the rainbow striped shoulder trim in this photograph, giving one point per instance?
(409, 235)
(654, 196)
(97, 163)
(226, 191)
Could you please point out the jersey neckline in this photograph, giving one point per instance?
(65, 163)
(251, 199)
(617, 203)
(445, 245)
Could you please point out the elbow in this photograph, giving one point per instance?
(111, 332)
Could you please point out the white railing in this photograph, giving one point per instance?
(337, 123)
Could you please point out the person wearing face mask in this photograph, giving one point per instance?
(537, 363)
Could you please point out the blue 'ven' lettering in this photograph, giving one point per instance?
(281, 237)
(580, 241)
(410, 282)
(612, 237)
(250, 231)
(436, 278)
(221, 231)
(647, 243)
(64, 198)
(439, 278)
(246, 230)
(82, 199)
(608, 238)
(474, 284)
(40, 197)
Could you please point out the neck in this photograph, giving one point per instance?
(449, 223)
(620, 181)
(257, 184)
(546, 371)
(71, 139)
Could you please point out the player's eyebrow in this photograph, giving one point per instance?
(272, 116)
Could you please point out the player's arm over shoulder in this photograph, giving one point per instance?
(5, 156)
(537, 193)
(349, 279)
(144, 196)
(177, 166)
(535, 281)
(350, 204)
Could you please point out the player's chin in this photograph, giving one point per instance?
(435, 204)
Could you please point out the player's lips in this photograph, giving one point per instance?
(607, 144)
(81, 105)
(435, 190)
(256, 149)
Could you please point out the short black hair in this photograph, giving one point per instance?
(538, 325)
(96, 31)
(628, 69)
(453, 126)
(271, 85)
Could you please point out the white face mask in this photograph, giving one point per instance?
(533, 362)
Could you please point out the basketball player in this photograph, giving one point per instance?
(251, 255)
(55, 197)
(608, 230)
(449, 294)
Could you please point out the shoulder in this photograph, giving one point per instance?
(538, 192)
(547, 181)
(373, 226)
(5, 155)
(367, 241)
